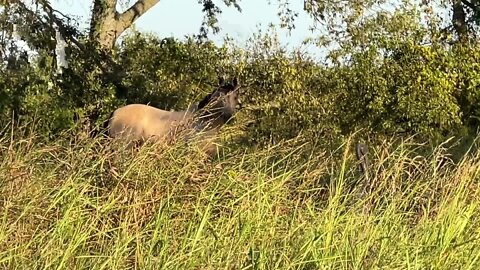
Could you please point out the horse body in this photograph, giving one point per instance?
(140, 122)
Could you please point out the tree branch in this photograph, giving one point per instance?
(459, 19)
(127, 18)
(469, 4)
(111, 3)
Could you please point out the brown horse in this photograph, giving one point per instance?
(139, 122)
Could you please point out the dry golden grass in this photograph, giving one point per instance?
(82, 204)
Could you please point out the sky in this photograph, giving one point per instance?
(177, 18)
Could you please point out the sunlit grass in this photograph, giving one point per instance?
(79, 204)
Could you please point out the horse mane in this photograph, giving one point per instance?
(204, 102)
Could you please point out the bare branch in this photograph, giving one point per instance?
(127, 18)
(468, 4)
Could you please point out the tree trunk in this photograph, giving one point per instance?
(107, 24)
(459, 20)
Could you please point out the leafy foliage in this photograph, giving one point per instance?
(175, 73)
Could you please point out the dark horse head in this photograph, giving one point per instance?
(222, 104)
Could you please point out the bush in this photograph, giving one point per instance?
(393, 86)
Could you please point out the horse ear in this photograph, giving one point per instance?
(221, 80)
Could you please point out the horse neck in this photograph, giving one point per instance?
(211, 123)
(205, 120)
(217, 122)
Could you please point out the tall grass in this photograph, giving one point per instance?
(82, 204)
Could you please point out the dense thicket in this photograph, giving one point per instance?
(391, 73)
